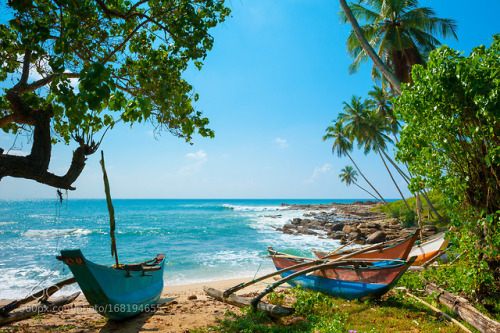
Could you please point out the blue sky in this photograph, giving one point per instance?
(275, 79)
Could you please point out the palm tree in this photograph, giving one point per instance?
(375, 139)
(377, 61)
(363, 125)
(401, 32)
(348, 176)
(342, 145)
(380, 100)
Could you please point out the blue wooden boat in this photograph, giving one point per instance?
(117, 293)
(365, 281)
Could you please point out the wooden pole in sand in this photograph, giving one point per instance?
(418, 205)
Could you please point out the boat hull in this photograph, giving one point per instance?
(346, 282)
(115, 293)
(430, 248)
(400, 250)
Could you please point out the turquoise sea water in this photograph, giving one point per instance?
(203, 240)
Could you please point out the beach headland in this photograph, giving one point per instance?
(349, 222)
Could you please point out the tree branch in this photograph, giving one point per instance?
(40, 83)
(35, 165)
(26, 69)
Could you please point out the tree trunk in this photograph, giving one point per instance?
(396, 84)
(366, 180)
(462, 307)
(407, 179)
(390, 174)
(365, 190)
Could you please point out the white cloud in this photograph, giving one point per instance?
(196, 162)
(281, 142)
(318, 171)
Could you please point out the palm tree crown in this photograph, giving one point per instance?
(348, 175)
(401, 32)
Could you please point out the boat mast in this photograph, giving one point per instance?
(111, 211)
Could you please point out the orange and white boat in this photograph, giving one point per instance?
(426, 250)
(429, 248)
(390, 251)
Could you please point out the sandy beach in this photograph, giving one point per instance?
(180, 308)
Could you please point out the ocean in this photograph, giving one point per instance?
(203, 240)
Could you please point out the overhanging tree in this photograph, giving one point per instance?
(79, 66)
(451, 142)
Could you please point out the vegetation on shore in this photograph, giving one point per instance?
(449, 143)
(410, 216)
(316, 312)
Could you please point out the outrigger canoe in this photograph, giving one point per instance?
(399, 250)
(365, 280)
(117, 293)
(429, 248)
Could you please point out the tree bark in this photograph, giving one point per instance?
(463, 308)
(390, 174)
(366, 180)
(369, 50)
(35, 165)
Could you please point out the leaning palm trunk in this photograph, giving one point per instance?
(390, 174)
(365, 190)
(362, 175)
(407, 179)
(396, 84)
(401, 172)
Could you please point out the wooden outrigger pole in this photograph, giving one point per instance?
(229, 297)
(42, 294)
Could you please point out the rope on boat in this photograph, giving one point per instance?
(258, 269)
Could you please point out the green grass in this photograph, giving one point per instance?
(316, 312)
(400, 209)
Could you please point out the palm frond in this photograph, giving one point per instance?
(364, 14)
(424, 42)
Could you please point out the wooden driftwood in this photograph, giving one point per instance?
(242, 302)
(43, 294)
(454, 321)
(53, 306)
(462, 307)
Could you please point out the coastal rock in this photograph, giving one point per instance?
(346, 222)
(350, 228)
(337, 226)
(370, 225)
(376, 237)
(356, 236)
(337, 235)
(429, 230)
